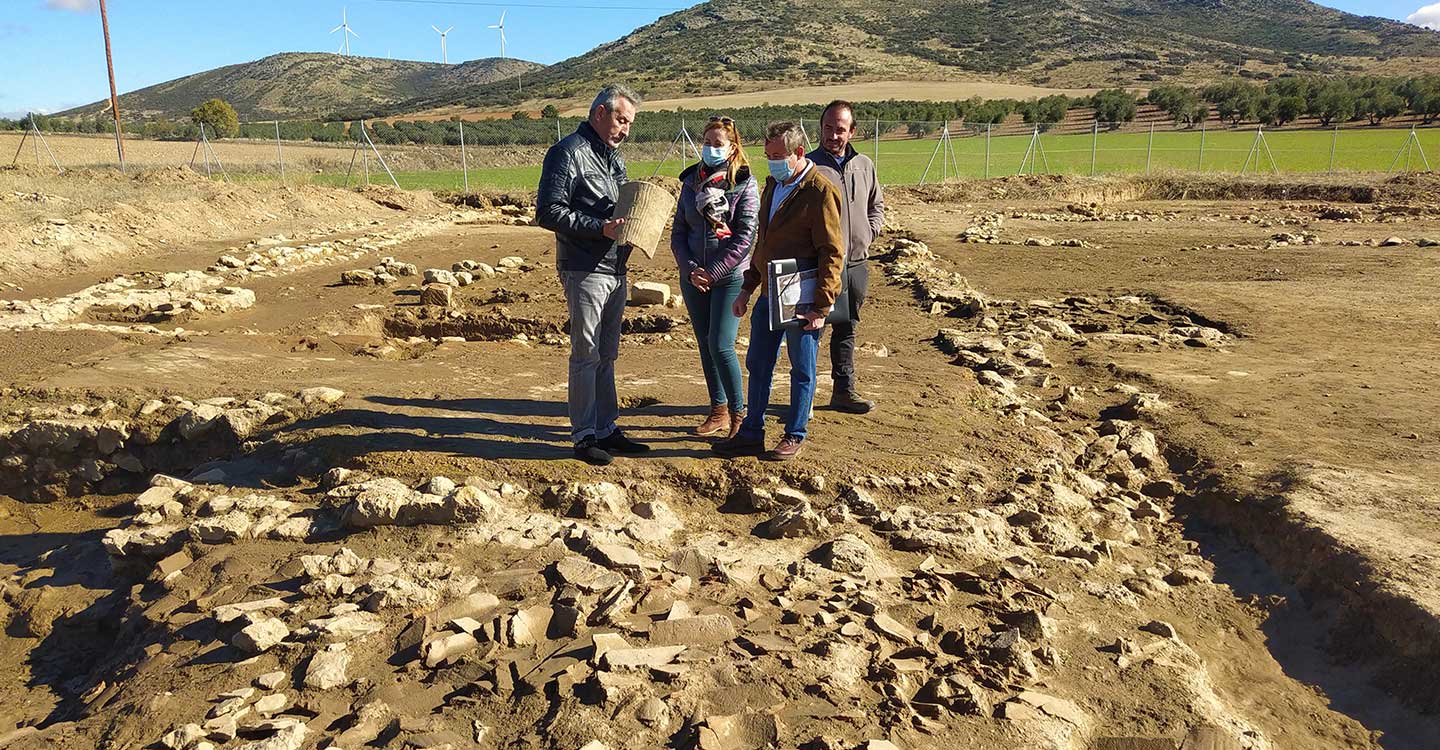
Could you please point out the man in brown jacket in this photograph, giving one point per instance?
(799, 219)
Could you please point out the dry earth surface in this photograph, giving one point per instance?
(1153, 468)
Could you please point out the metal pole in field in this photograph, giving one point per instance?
(1200, 166)
(464, 162)
(205, 149)
(558, 137)
(988, 127)
(1094, 145)
(1335, 136)
(378, 157)
(1150, 148)
(877, 145)
(21, 147)
(279, 152)
(114, 97)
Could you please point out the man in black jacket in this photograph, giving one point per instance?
(579, 184)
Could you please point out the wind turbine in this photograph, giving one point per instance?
(501, 27)
(345, 24)
(444, 56)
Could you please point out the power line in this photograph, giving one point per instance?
(566, 6)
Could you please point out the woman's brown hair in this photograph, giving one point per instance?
(732, 133)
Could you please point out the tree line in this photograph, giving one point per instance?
(1278, 102)
(1283, 100)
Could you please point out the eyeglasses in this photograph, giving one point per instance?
(722, 120)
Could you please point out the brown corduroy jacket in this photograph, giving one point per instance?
(807, 225)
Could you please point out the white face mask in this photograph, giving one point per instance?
(715, 155)
(780, 169)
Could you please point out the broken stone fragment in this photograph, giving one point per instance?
(447, 649)
(747, 731)
(797, 520)
(320, 396)
(639, 658)
(585, 575)
(438, 295)
(259, 637)
(644, 293)
(288, 736)
(327, 668)
(846, 553)
(271, 704)
(1160, 628)
(223, 528)
(888, 626)
(183, 738)
(701, 630)
(653, 713)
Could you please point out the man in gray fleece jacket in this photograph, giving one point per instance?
(863, 216)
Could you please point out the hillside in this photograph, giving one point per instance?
(301, 85)
(732, 45)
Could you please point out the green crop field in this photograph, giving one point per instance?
(904, 161)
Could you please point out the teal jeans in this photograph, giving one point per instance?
(715, 328)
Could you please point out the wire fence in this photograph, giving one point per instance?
(905, 152)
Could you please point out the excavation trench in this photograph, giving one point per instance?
(1336, 620)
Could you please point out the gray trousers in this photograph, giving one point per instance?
(596, 302)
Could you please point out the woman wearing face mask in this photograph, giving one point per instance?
(711, 237)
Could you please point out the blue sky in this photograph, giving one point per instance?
(54, 58)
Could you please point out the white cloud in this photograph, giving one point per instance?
(78, 6)
(1428, 16)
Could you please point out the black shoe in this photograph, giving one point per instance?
(738, 446)
(616, 442)
(850, 402)
(586, 450)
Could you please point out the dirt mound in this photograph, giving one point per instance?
(1181, 186)
(440, 322)
(400, 200)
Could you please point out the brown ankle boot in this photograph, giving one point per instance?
(736, 419)
(718, 422)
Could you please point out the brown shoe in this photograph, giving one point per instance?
(788, 448)
(717, 422)
(737, 418)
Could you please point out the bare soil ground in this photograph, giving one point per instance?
(1170, 484)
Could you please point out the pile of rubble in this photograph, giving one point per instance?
(142, 297)
(983, 229)
(386, 272)
(70, 450)
(616, 625)
(1393, 241)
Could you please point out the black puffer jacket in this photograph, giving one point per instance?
(579, 184)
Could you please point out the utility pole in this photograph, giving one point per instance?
(114, 98)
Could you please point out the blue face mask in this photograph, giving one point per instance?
(780, 169)
(715, 155)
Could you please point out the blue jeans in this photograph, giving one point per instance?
(596, 302)
(715, 328)
(764, 352)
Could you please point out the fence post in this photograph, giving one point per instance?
(1200, 166)
(877, 148)
(464, 161)
(1334, 137)
(279, 152)
(558, 137)
(1150, 148)
(988, 126)
(1094, 145)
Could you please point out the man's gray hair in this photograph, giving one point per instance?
(788, 133)
(614, 93)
